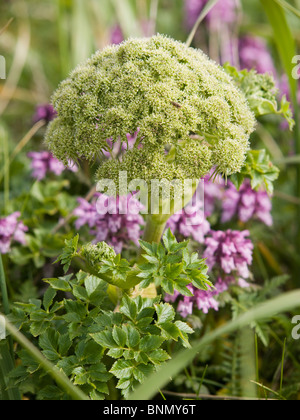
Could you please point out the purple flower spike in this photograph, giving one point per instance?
(230, 252)
(246, 204)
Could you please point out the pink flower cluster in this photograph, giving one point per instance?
(190, 221)
(203, 300)
(246, 204)
(229, 252)
(120, 222)
(44, 162)
(11, 230)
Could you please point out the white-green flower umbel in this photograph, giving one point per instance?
(190, 114)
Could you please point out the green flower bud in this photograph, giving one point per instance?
(95, 254)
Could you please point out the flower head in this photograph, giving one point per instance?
(170, 92)
(11, 230)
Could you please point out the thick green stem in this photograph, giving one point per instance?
(154, 229)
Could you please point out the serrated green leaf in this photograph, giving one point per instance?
(169, 239)
(128, 308)
(132, 336)
(105, 339)
(119, 336)
(61, 284)
(165, 313)
(123, 369)
(48, 298)
(150, 342)
(142, 372)
(115, 353)
(158, 356)
(169, 330)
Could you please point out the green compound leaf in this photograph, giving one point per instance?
(69, 252)
(259, 169)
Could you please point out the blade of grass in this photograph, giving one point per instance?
(6, 26)
(63, 38)
(265, 388)
(153, 16)
(207, 8)
(282, 367)
(256, 359)
(3, 288)
(201, 382)
(286, 302)
(290, 160)
(61, 379)
(289, 7)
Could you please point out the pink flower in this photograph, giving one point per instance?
(117, 149)
(11, 230)
(44, 162)
(204, 300)
(190, 222)
(44, 112)
(246, 204)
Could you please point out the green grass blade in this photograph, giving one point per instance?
(282, 367)
(209, 5)
(289, 7)
(158, 380)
